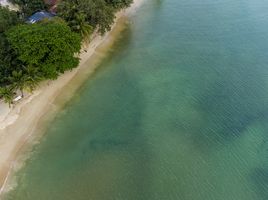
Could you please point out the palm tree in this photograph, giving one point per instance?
(76, 19)
(27, 79)
(7, 94)
(18, 81)
(32, 78)
(82, 26)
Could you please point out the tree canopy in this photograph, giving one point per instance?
(119, 4)
(49, 46)
(99, 14)
(8, 58)
(28, 7)
(8, 18)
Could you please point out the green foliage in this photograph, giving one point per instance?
(48, 46)
(33, 77)
(97, 13)
(8, 18)
(7, 94)
(8, 58)
(119, 4)
(103, 16)
(76, 20)
(19, 81)
(28, 7)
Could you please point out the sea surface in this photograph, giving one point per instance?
(178, 110)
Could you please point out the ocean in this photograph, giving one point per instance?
(177, 110)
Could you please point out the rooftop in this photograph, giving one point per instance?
(39, 16)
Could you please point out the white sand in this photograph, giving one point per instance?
(21, 121)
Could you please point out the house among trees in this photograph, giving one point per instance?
(39, 16)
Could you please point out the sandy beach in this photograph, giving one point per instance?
(21, 122)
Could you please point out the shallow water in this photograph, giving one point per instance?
(177, 111)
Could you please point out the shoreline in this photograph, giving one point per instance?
(23, 121)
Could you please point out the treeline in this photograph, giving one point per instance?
(30, 53)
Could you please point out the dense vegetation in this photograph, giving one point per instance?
(28, 7)
(30, 53)
(48, 47)
(85, 15)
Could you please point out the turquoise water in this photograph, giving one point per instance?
(177, 111)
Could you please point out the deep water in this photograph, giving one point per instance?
(177, 111)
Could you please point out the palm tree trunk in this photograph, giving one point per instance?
(22, 94)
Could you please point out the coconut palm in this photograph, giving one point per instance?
(25, 80)
(76, 18)
(32, 78)
(18, 81)
(7, 94)
(82, 26)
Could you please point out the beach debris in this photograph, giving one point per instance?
(17, 98)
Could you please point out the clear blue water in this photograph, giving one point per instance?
(177, 111)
